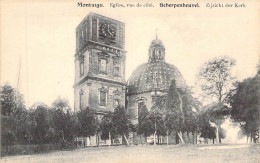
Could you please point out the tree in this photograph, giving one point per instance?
(144, 123)
(174, 111)
(216, 81)
(88, 123)
(11, 100)
(63, 120)
(41, 132)
(157, 123)
(245, 108)
(13, 117)
(207, 131)
(61, 104)
(106, 126)
(191, 107)
(120, 122)
(177, 111)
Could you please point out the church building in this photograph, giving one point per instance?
(100, 70)
(150, 81)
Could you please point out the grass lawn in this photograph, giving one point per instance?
(148, 153)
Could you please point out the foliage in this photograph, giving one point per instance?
(216, 79)
(144, 123)
(42, 130)
(174, 112)
(106, 126)
(245, 104)
(64, 122)
(217, 82)
(39, 124)
(206, 130)
(11, 101)
(190, 107)
(217, 112)
(157, 122)
(88, 122)
(120, 121)
(13, 117)
(61, 104)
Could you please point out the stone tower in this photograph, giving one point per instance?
(99, 64)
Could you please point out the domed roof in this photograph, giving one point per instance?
(156, 42)
(156, 74)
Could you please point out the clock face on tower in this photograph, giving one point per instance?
(108, 30)
(107, 33)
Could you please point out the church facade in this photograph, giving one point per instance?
(100, 71)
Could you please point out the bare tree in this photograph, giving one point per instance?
(216, 81)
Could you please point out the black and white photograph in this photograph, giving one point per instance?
(130, 81)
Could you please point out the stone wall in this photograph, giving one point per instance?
(91, 89)
(132, 103)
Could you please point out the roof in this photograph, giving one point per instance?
(154, 76)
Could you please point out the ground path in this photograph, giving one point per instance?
(148, 153)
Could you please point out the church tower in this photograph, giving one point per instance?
(99, 64)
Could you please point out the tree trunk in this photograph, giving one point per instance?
(196, 138)
(109, 137)
(97, 139)
(217, 136)
(158, 139)
(167, 137)
(154, 143)
(188, 135)
(90, 143)
(126, 140)
(180, 136)
(141, 139)
(251, 138)
(176, 138)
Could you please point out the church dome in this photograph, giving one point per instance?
(156, 74)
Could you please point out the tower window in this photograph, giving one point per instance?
(116, 102)
(81, 100)
(103, 98)
(81, 67)
(117, 70)
(102, 64)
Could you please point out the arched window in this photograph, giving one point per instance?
(103, 98)
(140, 106)
(116, 103)
(102, 66)
(103, 94)
(81, 99)
(81, 67)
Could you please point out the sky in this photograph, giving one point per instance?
(40, 37)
